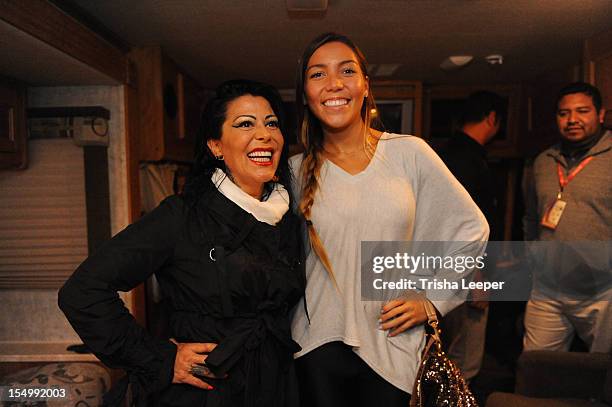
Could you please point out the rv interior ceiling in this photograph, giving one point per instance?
(218, 39)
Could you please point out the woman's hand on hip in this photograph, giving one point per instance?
(401, 314)
(190, 364)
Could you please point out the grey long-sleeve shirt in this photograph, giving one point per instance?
(588, 214)
(572, 260)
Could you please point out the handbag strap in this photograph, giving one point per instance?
(432, 340)
(432, 319)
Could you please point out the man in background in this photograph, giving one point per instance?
(569, 205)
(465, 327)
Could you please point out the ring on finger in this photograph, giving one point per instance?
(200, 369)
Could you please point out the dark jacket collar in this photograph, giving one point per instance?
(603, 145)
(461, 139)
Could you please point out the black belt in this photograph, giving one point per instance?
(248, 342)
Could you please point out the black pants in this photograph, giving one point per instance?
(333, 375)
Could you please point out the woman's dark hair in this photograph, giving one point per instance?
(211, 123)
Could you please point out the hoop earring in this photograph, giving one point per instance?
(219, 157)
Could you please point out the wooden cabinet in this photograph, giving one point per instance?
(13, 144)
(597, 61)
(399, 105)
(169, 107)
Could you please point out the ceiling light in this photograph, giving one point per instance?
(386, 69)
(494, 59)
(455, 62)
(306, 5)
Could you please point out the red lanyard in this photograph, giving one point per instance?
(564, 181)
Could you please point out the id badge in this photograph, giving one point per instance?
(552, 216)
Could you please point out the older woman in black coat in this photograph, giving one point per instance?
(227, 257)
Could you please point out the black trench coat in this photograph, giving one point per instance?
(241, 301)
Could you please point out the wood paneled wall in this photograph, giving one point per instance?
(598, 68)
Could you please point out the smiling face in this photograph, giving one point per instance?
(251, 143)
(335, 87)
(577, 117)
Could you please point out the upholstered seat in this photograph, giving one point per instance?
(84, 383)
(559, 379)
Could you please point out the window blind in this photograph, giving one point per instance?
(43, 225)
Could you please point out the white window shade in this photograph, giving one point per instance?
(43, 224)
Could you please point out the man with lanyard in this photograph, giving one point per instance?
(569, 205)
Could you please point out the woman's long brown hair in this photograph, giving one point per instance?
(311, 136)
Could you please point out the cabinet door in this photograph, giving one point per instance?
(182, 105)
(12, 126)
(169, 104)
(191, 100)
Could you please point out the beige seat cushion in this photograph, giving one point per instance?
(83, 382)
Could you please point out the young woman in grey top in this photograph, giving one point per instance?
(354, 184)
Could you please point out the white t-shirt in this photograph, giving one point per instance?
(405, 193)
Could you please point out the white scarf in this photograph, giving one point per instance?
(270, 211)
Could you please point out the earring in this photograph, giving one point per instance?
(366, 95)
(219, 157)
